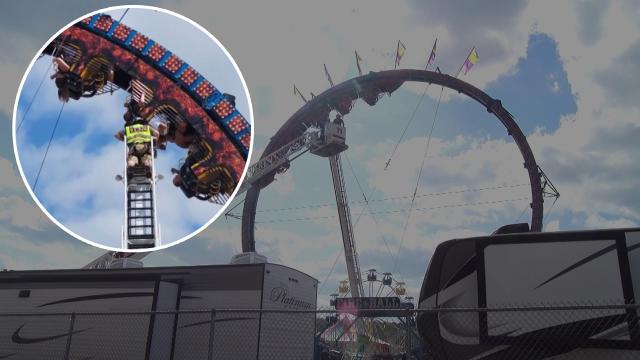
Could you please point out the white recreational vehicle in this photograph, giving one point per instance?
(572, 295)
(29, 331)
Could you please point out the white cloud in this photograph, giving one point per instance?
(284, 184)
(20, 253)
(553, 225)
(21, 213)
(10, 178)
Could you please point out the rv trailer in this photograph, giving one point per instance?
(30, 331)
(548, 282)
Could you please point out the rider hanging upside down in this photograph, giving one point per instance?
(76, 80)
(138, 135)
(62, 69)
(199, 176)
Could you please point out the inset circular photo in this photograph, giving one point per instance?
(132, 128)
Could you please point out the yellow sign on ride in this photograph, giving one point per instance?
(138, 133)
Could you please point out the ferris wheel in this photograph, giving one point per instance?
(371, 336)
(374, 285)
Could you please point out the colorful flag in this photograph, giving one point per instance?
(297, 92)
(472, 59)
(328, 75)
(358, 61)
(432, 57)
(400, 53)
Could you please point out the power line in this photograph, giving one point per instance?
(375, 220)
(235, 206)
(26, 111)
(406, 127)
(226, 220)
(123, 14)
(338, 256)
(415, 191)
(442, 193)
(523, 211)
(550, 210)
(53, 55)
(354, 226)
(424, 209)
(35, 184)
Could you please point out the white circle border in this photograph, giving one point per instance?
(244, 172)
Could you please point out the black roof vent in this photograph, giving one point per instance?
(512, 229)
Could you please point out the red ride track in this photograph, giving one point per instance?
(165, 91)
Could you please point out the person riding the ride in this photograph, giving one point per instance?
(139, 135)
(62, 69)
(200, 176)
(76, 80)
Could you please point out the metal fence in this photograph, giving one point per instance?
(532, 332)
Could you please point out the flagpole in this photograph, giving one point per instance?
(358, 63)
(296, 90)
(395, 64)
(326, 72)
(431, 54)
(465, 60)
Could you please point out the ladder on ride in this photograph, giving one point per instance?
(141, 228)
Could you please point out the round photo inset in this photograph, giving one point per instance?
(132, 128)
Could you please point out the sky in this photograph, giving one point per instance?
(76, 185)
(568, 72)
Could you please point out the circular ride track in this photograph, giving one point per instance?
(370, 88)
(199, 116)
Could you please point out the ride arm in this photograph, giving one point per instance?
(262, 172)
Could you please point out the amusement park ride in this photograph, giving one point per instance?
(311, 130)
(328, 141)
(195, 115)
(300, 134)
(198, 117)
(169, 101)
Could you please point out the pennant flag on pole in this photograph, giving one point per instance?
(297, 92)
(471, 60)
(399, 53)
(358, 61)
(328, 75)
(432, 57)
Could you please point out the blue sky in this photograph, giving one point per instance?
(76, 184)
(568, 71)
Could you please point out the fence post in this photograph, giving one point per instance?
(212, 327)
(72, 321)
(407, 335)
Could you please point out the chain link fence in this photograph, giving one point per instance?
(533, 332)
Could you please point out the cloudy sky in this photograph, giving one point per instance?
(568, 71)
(76, 184)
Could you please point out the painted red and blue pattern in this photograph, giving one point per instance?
(175, 83)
